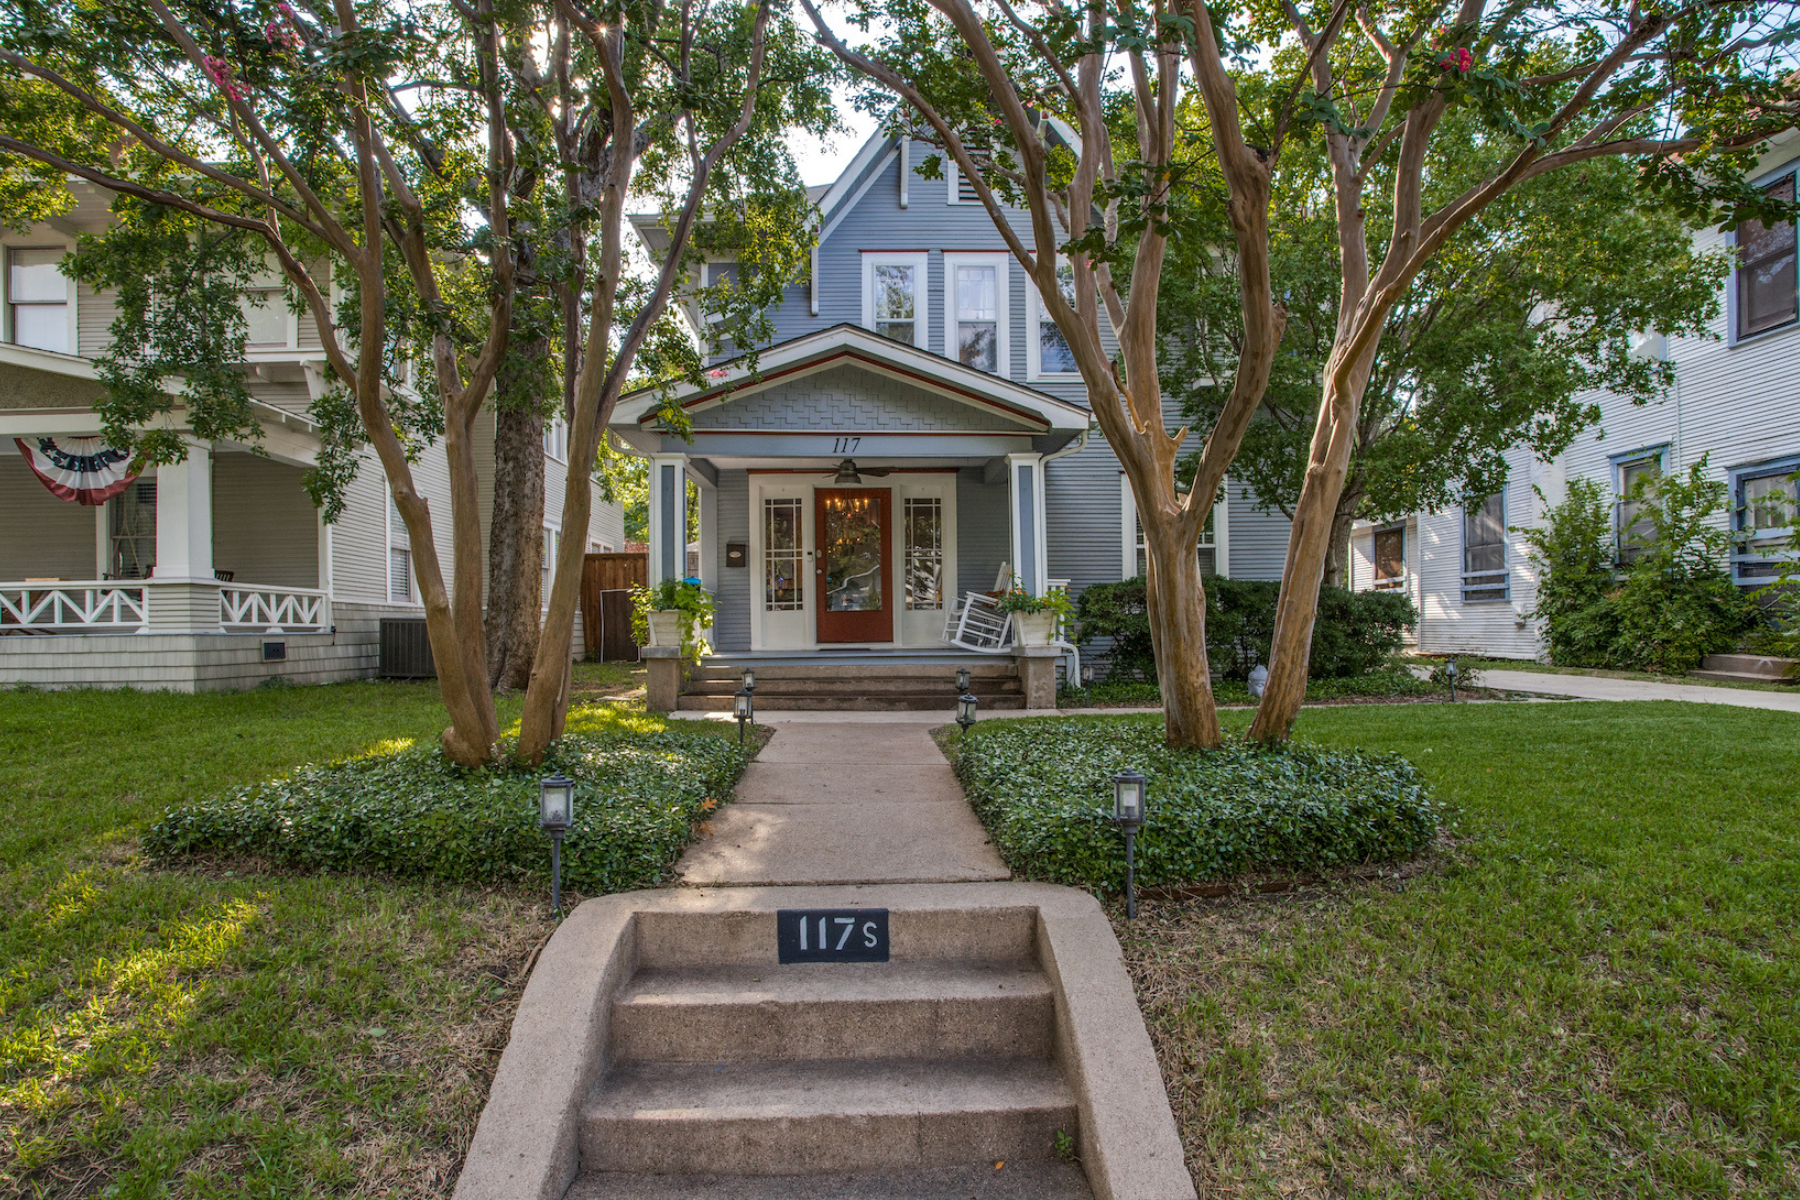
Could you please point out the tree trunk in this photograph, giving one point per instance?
(1337, 554)
(515, 546)
(1176, 603)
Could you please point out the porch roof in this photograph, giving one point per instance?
(1024, 410)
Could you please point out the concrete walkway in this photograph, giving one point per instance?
(1586, 687)
(846, 798)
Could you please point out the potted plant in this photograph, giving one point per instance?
(672, 613)
(1035, 617)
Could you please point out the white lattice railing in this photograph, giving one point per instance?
(85, 606)
(251, 609)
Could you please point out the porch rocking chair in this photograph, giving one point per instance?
(979, 625)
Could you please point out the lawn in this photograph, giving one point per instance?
(207, 1031)
(1592, 992)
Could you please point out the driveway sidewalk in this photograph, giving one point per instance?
(1586, 687)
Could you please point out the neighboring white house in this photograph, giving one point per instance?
(212, 573)
(1736, 401)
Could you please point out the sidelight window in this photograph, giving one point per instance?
(924, 552)
(784, 587)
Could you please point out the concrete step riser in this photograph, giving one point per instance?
(803, 1145)
(846, 703)
(722, 1030)
(1746, 666)
(935, 675)
(995, 936)
(849, 687)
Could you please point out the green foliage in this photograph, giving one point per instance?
(685, 596)
(1043, 788)
(1671, 606)
(1356, 632)
(410, 812)
(1386, 683)
(1018, 600)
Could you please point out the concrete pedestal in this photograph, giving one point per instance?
(663, 682)
(1037, 674)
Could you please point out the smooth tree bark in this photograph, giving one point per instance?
(352, 212)
(1113, 209)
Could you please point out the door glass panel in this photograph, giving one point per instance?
(783, 589)
(851, 545)
(924, 552)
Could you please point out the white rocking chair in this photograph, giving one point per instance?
(977, 623)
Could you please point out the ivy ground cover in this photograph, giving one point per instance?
(208, 1029)
(1592, 994)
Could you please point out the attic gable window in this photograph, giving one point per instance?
(894, 295)
(1766, 279)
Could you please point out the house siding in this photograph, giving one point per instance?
(735, 590)
(983, 530)
(42, 536)
(265, 528)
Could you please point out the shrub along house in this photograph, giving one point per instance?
(1734, 401)
(915, 432)
(215, 572)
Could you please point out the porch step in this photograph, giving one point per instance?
(933, 701)
(807, 1117)
(849, 685)
(858, 686)
(1748, 668)
(1011, 1180)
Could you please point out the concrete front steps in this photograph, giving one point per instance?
(1748, 668)
(662, 1052)
(854, 686)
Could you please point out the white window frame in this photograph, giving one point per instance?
(953, 182)
(920, 262)
(1001, 261)
(1471, 579)
(550, 542)
(1035, 317)
(276, 303)
(1131, 536)
(71, 338)
(556, 439)
(387, 563)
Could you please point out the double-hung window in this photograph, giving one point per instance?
(1484, 574)
(1633, 530)
(400, 577)
(1390, 558)
(265, 318)
(556, 439)
(894, 295)
(1766, 273)
(37, 300)
(1211, 546)
(976, 309)
(1766, 510)
(547, 564)
(1048, 353)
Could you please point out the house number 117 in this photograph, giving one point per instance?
(845, 445)
(812, 935)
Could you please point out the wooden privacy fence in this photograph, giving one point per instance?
(606, 583)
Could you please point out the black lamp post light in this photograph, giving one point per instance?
(1450, 674)
(556, 813)
(962, 680)
(749, 679)
(1128, 814)
(743, 707)
(965, 711)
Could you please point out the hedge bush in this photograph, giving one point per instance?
(1356, 632)
(1043, 788)
(641, 783)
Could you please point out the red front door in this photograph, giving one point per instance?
(856, 584)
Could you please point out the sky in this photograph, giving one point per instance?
(822, 161)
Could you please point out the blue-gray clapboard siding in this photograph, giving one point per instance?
(1259, 539)
(983, 531)
(731, 620)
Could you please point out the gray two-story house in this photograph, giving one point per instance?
(915, 432)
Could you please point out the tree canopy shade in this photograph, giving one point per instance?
(1539, 298)
(1079, 114)
(408, 158)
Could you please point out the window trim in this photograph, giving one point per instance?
(553, 438)
(1398, 583)
(1035, 316)
(72, 332)
(1131, 536)
(277, 303)
(1616, 465)
(920, 261)
(1733, 301)
(550, 545)
(1742, 557)
(392, 516)
(1001, 261)
(1505, 570)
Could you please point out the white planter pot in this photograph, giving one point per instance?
(665, 627)
(1035, 629)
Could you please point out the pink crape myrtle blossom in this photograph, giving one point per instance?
(219, 71)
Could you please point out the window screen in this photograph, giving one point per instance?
(1484, 551)
(1390, 558)
(1766, 278)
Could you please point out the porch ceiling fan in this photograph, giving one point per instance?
(847, 472)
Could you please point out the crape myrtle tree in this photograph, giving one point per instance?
(286, 124)
(1536, 300)
(1683, 92)
(376, 155)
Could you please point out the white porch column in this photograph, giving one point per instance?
(1025, 489)
(709, 536)
(183, 595)
(668, 517)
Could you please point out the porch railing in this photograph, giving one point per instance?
(247, 608)
(81, 606)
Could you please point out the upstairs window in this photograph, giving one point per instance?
(37, 300)
(1485, 577)
(1390, 558)
(1049, 348)
(265, 318)
(547, 564)
(976, 310)
(400, 577)
(556, 439)
(1766, 279)
(893, 294)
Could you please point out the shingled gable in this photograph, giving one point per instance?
(842, 347)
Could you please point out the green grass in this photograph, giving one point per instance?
(209, 1031)
(1591, 992)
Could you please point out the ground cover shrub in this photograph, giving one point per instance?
(1043, 788)
(406, 810)
(1356, 632)
(1388, 682)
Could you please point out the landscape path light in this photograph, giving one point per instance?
(556, 813)
(749, 679)
(965, 711)
(1128, 814)
(1450, 674)
(962, 680)
(743, 707)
